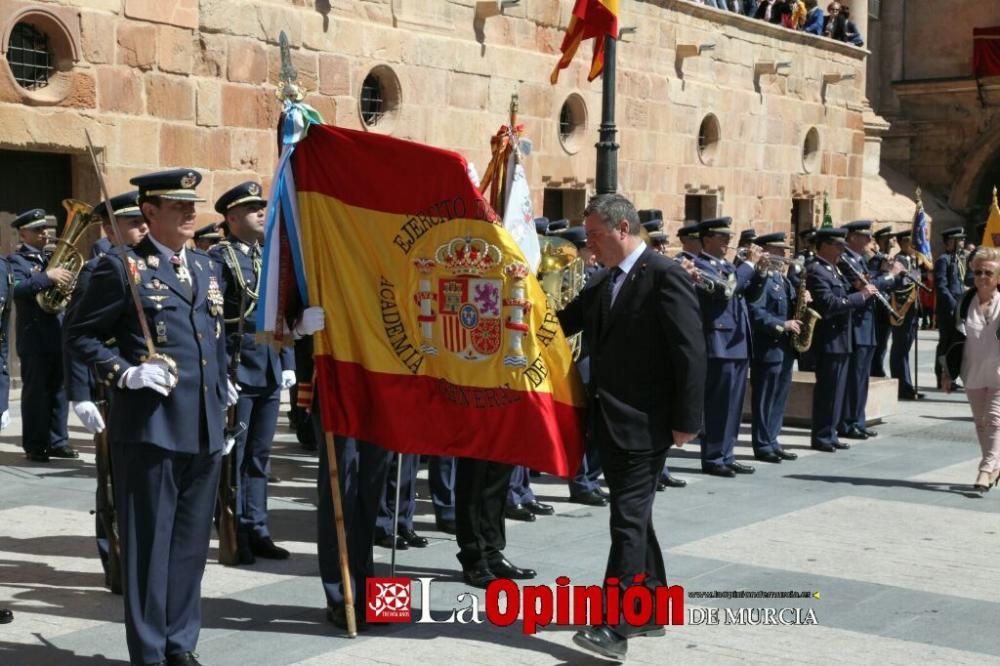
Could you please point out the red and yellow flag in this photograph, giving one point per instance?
(438, 340)
(991, 234)
(591, 18)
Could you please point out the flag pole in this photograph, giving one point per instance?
(607, 148)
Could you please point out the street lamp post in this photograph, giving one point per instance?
(607, 148)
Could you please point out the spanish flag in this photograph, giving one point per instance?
(991, 235)
(438, 337)
(591, 18)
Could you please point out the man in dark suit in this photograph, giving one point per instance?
(832, 342)
(262, 373)
(854, 265)
(166, 426)
(87, 397)
(726, 327)
(39, 338)
(771, 300)
(949, 282)
(639, 318)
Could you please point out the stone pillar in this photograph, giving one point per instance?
(890, 65)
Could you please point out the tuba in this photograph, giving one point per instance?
(561, 275)
(802, 341)
(79, 216)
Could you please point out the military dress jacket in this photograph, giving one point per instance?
(771, 300)
(863, 318)
(260, 365)
(185, 324)
(725, 321)
(38, 332)
(833, 300)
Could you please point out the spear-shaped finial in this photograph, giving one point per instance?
(288, 87)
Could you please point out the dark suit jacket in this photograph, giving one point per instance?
(647, 362)
(189, 331)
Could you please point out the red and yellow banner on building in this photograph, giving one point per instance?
(591, 18)
(438, 339)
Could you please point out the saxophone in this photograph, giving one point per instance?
(806, 315)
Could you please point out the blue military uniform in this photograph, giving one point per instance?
(6, 293)
(853, 422)
(882, 326)
(44, 410)
(771, 301)
(407, 505)
(950, 270)
(805, 256)
(727, 342)
(904, 334)
(165, 450)
(259, 376)
(832, 343)
(100, 248)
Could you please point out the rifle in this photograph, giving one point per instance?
(105, 495)
(228, 547)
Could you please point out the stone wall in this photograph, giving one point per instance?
(164, 83)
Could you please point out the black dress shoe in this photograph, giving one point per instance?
(590, 498)
(718, 470)
(853, 433)
(386, 542)
(37, 456)
(768, 457)
(788, 455)
(740, 468)
(603, 640)
(912, 396)
(478, 577)
(338, 618)
(267, 549)
(244, 554)
(841, 445)
(67, 452)
(540, 509)
(825, 448)
(446, 526)
(503, 568)
(651, 630)
(6, 616)
(670, 482)
(603, 493)
(870, 432)
(519, 512)
(183, 659)
(412, 538)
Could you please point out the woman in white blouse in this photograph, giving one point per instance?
(974, 353)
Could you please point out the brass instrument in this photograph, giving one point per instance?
(898, 311)
(562, 276)
(806, 316)
(79, 217)
(710, 284)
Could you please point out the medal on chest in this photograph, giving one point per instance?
(214, 297)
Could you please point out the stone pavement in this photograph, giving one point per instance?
(902, 554)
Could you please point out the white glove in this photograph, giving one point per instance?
(90, 415)
(313, 319)
(153, 374)
(5, 419)
(287, 379)
(232, 393)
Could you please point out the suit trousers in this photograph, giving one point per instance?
(985, 404)
(828, 396)
(441, 480)
(258, 409)
(519, 491)
(632, 477)
(407, 495)
(44, 410)
(588, 475)
(882, 330)
(858, 372)
(164, 503)
(363, 468)
(480, 493)
(770, 384)
(725, 387)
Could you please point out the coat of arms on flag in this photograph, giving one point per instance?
(469, 300)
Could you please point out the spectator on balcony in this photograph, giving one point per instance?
(814, 18)
(796, 18)
(833, 25)
(718, 4)
(750, 6)
(851, 33)
(769, 10)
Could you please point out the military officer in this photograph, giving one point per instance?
(406, 536)
(771, 301)
(690, 243)
(441, 482)
(101, 247)
(262, 372)
(6, 302)
(86, 395)
(747, 237)
(854, 265)
(727, 337)
(208, 236)
(166, 426)
(949, 282)
(878, 265)
(39, 338)
(904, 301)
(832, 339)
(806, 245)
